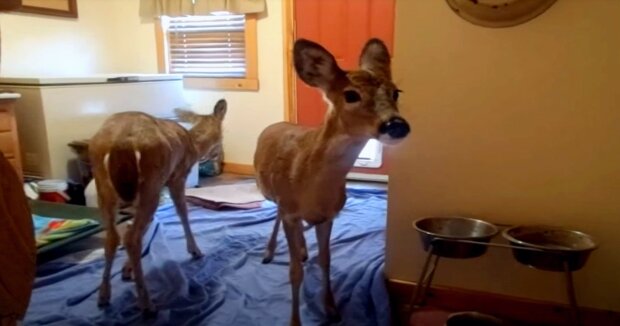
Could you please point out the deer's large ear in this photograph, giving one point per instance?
(220, 109)
(315, 65)
(375, 57)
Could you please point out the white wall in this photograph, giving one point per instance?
(109, 37)
(104, 39)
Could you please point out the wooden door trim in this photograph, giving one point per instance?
(290, 113)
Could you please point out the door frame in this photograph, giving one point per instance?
(290, 90)
(290, 87)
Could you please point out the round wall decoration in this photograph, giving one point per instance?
(499, 13)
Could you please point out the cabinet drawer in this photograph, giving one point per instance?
(5, 121)
(7, 144)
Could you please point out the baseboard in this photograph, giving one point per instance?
(247, 169)
(527, 311)
(367, 177)
(236, 168)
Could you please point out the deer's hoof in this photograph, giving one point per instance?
(126, 274)
(196, 254)
(268, 257)
(333, 316)
(104, 296)
(103, 302)
(295, 322)
(149, 313)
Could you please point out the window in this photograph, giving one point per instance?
(217, 51)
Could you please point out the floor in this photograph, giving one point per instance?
(96, 241)
(229, 178)
(225, 179)
(427, 316)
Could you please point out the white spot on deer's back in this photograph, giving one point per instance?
(138, 155)
(106, 159)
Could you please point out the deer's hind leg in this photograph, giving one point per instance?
(108, 205)
(145, 208)
(177, 193)
(273, 239)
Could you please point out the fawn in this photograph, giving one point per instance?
(303, 170)
(134, 156)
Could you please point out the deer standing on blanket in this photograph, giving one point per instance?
(135, 155)
(303, 170)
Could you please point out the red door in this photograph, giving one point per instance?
(342, 27)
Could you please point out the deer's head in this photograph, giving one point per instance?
(364, 102)
(206, 131)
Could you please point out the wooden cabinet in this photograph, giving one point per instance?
(9, 143)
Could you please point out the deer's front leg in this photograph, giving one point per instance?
(296, 272)
(323, 233)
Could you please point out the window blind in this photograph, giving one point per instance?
(207, 46)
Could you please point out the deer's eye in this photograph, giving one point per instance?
(352, 96)
(395, 95)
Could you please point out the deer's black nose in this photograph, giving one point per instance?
(395, 128)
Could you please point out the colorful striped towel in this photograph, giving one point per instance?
(50, 229)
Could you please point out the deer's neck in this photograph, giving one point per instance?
(338, 148)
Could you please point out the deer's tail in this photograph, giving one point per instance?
(123, 166)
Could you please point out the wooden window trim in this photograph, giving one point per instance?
(249, 83)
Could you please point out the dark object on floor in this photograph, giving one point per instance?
(209, 168)
(75, 192)
(17, 247)
(82, 164)
(428, 316)
(472, 318)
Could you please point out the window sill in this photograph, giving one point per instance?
(235, 84)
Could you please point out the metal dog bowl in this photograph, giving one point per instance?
(442, 232)
(469, 318)
(557, 247)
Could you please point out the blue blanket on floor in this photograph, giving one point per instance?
(229, 286)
